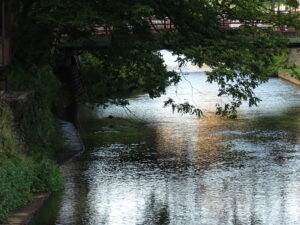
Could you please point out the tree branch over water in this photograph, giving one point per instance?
(240, 57)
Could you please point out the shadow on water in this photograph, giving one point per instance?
(46, 214)
(176, 169)
(157, 213)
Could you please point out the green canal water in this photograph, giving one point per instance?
(150, 166)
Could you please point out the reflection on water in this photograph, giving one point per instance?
(190, 171)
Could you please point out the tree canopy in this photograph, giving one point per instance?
(130, 59)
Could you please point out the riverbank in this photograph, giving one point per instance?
(74, 146)
(286, 76)
(29, 142)
(31, 145)
(23, 215)
(287, 66)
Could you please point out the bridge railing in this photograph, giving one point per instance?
(161, 24)
(292, 34)
(157, 25)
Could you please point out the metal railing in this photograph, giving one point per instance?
(157, 25)
(291, 34)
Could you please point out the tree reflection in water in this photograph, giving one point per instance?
(189, 171)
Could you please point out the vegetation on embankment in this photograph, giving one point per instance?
(286, 65)
(27, 147)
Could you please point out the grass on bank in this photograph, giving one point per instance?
(282, 65)
(26, 151)
(21, 175)
(293, 72)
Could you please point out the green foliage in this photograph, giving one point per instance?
(279, 63)
(240, 57)
(24, 168)
(41, 128)
(21, 178)
(47, 177)
(128, 73)
(183, 108)
(283, 65)
(292, 71)
(10, 143)
(296, 73)
(16, 176)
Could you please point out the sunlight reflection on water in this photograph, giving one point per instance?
(190, 171)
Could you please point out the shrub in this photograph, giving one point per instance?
(47, 177)
(9, 141)
(41, 128)
(16, 179)
(21, 175)
(20, 178)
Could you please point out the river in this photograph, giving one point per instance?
(178, 169)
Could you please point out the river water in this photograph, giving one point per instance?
(178, 169)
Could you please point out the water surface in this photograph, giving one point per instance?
(176, 169)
